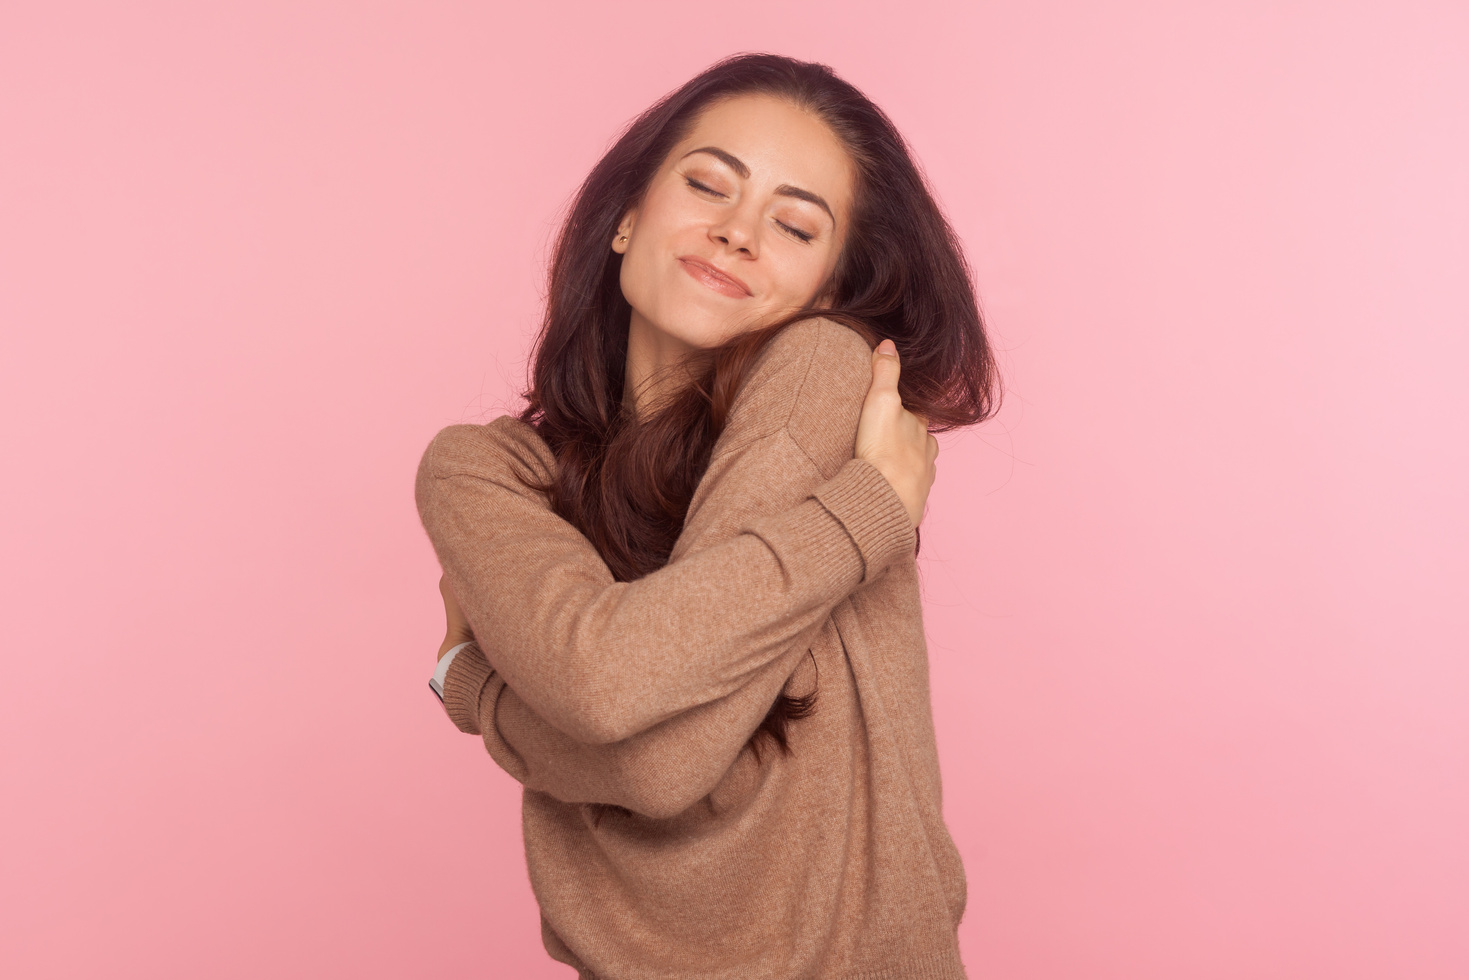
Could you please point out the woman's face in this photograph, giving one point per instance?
(742, 223)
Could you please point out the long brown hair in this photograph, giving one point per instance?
(626, 483)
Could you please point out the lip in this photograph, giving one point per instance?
(714, 277)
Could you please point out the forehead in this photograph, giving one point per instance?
(780, 143)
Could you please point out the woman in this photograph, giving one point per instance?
(682, 600)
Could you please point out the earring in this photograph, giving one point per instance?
(623, 238)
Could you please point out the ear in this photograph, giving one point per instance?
(622, 238)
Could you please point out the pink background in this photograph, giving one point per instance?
(1196, 601)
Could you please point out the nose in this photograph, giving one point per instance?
(736, 232)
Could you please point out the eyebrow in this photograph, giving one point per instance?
(785, 190)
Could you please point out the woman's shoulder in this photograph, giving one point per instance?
(809, 382)
(816, 344)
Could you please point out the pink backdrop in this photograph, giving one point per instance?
(1196, 602)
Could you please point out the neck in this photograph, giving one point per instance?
(656, 366)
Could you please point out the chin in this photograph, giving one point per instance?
(701, 327)
(704, 337)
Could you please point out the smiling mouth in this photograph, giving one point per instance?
(718, 281)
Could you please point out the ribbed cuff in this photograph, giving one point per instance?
(467, 677)
(437, 680)
(866, 504)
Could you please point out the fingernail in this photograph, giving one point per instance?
(887, 346)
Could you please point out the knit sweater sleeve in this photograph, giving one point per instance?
(570, 656)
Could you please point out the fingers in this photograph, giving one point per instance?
(886, 353)
(885, 366)
(886, 370)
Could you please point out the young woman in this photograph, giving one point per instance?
(683, 608)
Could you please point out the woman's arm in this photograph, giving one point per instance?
(659, 772)
(601, 660)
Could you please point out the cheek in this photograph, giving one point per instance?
(647, 275)
(665, 212)
(634, 279)
(804, 278)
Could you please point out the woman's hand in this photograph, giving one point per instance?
(893, 439)
(456, 630)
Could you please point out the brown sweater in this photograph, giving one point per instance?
(795, 562)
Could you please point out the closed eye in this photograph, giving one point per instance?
(804, 236)
(700, 187)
